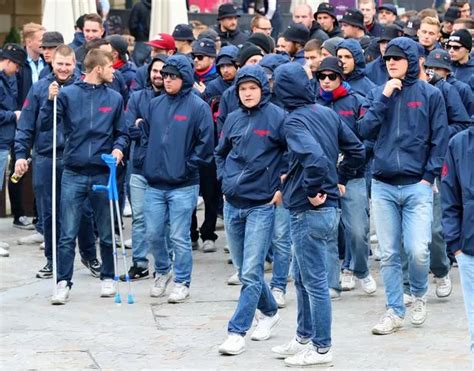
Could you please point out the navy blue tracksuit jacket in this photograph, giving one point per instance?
(8, 105)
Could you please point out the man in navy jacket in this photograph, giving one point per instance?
(177, 139)
(315, 136)
(407, 119)
(93, 123)
(457, 201)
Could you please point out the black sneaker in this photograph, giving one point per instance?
(136, 273)
(23, 223)
(46, 271)
(93, 265)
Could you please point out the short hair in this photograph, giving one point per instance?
(97, 57)
(255, 20)
(431, 21)
(65, 51)
(428, 12)
(409, 14)
(93, 17)
(312, 45)
(29, 30)
(366, 2)
(468, 22)
(460, 3)
(96, 44)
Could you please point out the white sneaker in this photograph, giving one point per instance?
(279, 296)
(347, 280)
(377, 254)
(4, 245)
(200, 203)
(4, 253)
(179, 294)
(32, 239)
(209, 246)
(264, 328)
(233, 345)
(368, 284)
(62, 294)
(234, 280)
(443, 286)
(267, 266)
(418, 312)
(334, 295)
(289, 349)
(127, 209)
(159, 286)
(388, 324)
(226, 249)
(373, 238)
(407, 300)
(107, 288)
(309, 357)
(42, 246)
(128, 243)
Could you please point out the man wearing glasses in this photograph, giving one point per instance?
(261, 24)
(459, 48)
(407, 119)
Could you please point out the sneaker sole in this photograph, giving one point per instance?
(228, 353)
(172, 301)
(107, 295)
(444, 296)
(416, 323)
(326, 364)
(58, 302)
(347, 288)
(44, 276)
(377, 332)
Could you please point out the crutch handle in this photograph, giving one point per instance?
(100, 188)
(110, 160)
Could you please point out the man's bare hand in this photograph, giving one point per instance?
(277, 199)
(21, 166)
(318, 200)
(391, 86)
(342, 189)
(118, 155)
(53, 90)
(200, 86)
(17, 114)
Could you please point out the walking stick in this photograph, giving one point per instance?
(53, 200)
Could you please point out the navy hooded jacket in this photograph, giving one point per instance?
(249, 156)
(28, 134)
(177, 134)
(299, 57)
(465, 72)
(78, 40)
(410, 128)
(315, 136)
(270, 62)
(93, 123)
(465, 92)
(141, 77)
(228, 104)
(359, 82)
(128, 71)
(8, 105)
(457, 193)
(376, 71)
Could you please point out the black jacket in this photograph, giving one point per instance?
(139, 21)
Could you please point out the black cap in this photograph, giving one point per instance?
(14, 52)
(438, 58)
(390, 7)
(227, 55)
(331, 44)
(183, 32)
(247, 52)
(394, 51)
(412, 26)
(52, 39)
(390, 32)
(227, 11)
(333, 64)
(297, 33)
(167, 68)
(462, 37)
(327, 9)
(248, 78)
(263, 41)
(452, 14)
(353, 17)
(204, 47)
(119, 43)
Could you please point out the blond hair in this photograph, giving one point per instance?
(28, 31)
(431, 21)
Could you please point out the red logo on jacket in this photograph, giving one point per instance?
(345, 113)
(414, 104)
(444, 170)
(26, 103)
(105, 109)
(262, 133)
(180, 117)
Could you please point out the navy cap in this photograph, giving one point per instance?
(205, 47)
(394, 51)
(412, 27)
(354, 18)
(390, 32)
(390, 7)
(297, 33)
(439, 58)
(183, 32)
(332, 64)
(14, 52)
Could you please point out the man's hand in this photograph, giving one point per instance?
(138, 122)
(318, 200)
(391, 86)
(425, 182)
(342, 189)
(53, 90)
(457, 252)
(118, 155)
(200, 86)
(283, 177)
(277, 199)
(21, 166)
(17, 114)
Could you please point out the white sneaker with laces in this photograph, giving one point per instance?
(233, 345)
(309, 357)
(407, 300)
(334, 295)
(388, 324)
(443, 286)
(279, 297)
(368, 284)
(4, 253)
(32, 239)
(209, 246)
(128, 243)
(159, 285)
(234, 280)
(179, 294)
(418, 312)
(62, 293)
(107, 288)
(4, 245)
(265, 326)
(289, 349)
(347, 280)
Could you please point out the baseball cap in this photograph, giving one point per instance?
(162, 41)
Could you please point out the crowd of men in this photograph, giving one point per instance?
(288, 140)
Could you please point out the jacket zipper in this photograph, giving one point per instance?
(244, 136)
(398, 132)
(90, 124)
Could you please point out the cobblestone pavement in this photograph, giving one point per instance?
(94, 333)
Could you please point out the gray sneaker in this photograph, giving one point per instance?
(179, 294)
(388, 324)
(159, 286)
(418, 312)
(209, 246)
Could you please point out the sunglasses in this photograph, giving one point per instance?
(322, 76)
(199, 57)
(390, 57)
(172, 76)
(454, 47)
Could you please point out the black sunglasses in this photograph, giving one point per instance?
(454, 47)
(199, 57)
(322, 76)
(394, 57)
(172, 76)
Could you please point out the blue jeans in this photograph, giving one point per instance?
(37, 185)
(249, 233)
(313, 233)
(140, 249)
(355, 217)
(177, 205)
(281, 246)
(3, 166)
(466, 272)
(76, 189)
(403, 212)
